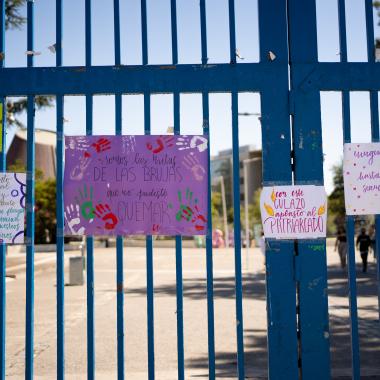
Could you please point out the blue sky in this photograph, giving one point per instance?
(159, 38)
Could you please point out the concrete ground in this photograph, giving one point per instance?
(195, 316)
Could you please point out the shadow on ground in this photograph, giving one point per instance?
(255, 340)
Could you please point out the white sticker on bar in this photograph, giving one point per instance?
(32, 52)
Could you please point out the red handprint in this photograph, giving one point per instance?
(199, 220)
(162, 142)
(104, 212)
(100, 146)
(155, 227)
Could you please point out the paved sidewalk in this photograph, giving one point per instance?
(195, 317)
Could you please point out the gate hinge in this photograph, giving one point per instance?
(291, 102)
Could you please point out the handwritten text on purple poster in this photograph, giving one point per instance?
(127, 185)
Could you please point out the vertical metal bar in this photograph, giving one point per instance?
(236, 192)
(30, 170)
(209, 259)
(178, 239)
(350, 220)
(29, 346)
(203, 31)
(116, 20)
(179, 277)
(276, 142)
(3, 125)
(149, 240)
(90, 272)
(231, 12)
(144, 33)
(59, 207)
(149, 267)
(307, 132)
(88, 54)
(355, 348)
(119, 239)
(237, 237)
(370, 31)
(90, 239)
(174, 33)
(350, 227)
(119, 270)
(374, 104)
(60, 244)
(58, 26)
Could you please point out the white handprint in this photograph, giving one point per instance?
(199, 142)
(191, 162)
(192, 142)
(73, 219)
(129, 144)
(78, 171)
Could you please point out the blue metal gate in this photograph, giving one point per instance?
(289, 79)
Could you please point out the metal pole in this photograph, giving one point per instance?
(245, 163)
(224, 211)
(245, 173)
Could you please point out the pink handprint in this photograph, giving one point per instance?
(191, 162)
(103, 211)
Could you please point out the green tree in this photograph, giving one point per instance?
(216, 209)
(336, 198)
(14, 20)
(256, 212)
(45, 212)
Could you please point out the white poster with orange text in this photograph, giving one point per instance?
(294, 212)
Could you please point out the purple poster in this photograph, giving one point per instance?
(129, 185)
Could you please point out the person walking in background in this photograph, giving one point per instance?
(372, 235)
(363, 241)
(341, 245)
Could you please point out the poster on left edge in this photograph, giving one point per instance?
(12, 207)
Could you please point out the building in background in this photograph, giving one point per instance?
(221, 165)
(45, 144)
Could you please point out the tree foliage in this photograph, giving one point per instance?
(13, 17)
(17, 107)
(336, 198)
(15, 20)
(216, 209)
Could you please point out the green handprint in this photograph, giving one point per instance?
(84, 200)
(185, 211)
